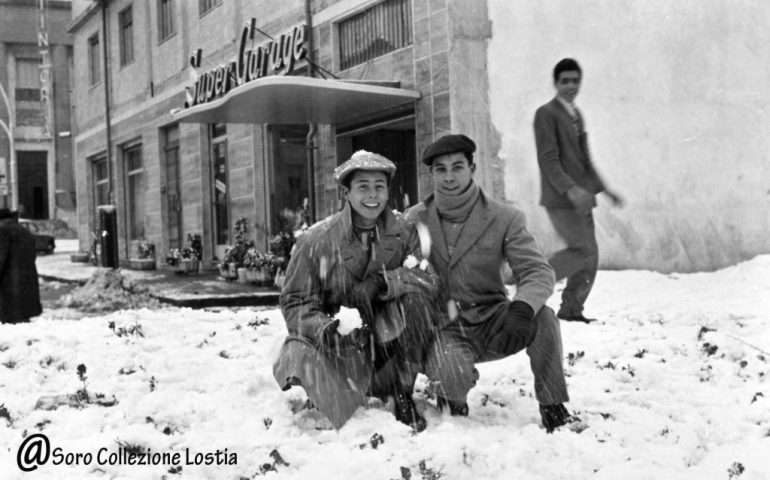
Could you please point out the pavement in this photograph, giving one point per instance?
(198, 290)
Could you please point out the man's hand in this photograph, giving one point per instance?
(581, 198)
(327, 335)
(616, 199)
(364, 293)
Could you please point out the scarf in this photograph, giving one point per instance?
(457, 208)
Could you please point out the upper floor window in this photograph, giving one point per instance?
(205, 5)
(27, 80)
(165, 19)
(126, 20)
(375, 31)
(94, 71)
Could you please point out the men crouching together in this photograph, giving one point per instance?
(437, 317)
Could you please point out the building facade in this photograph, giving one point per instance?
(36, 59)
(688, 160)
(172, 178)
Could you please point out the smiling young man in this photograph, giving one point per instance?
(355, 259)
(569, 185)
(472, 236)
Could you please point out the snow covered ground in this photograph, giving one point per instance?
(673, 384)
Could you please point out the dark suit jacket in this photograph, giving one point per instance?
(494, 233)
(563, 156)
(19, 291)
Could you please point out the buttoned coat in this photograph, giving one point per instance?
(327, 262)
(19, 289)
(563, 155)
(494, 233)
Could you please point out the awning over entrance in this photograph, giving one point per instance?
(293, 100)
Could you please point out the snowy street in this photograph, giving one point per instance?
(672, 383)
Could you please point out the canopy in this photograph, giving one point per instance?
(293, 100)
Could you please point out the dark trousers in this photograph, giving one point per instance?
(579, 261)
(460, 345)
(397, 363)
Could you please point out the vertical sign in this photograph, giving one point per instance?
(45, 64)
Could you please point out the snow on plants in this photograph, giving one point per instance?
(672, 383)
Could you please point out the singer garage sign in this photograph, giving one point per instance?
(276, 57)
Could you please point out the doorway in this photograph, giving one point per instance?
(33, 184)
(172, 188)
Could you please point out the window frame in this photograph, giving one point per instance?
(126, 34)
(206, 6)
(94, 62)
(166, 24)
(132, 175)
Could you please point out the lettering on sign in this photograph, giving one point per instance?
(276, 57)
(45, 65)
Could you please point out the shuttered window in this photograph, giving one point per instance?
(27, 80)
(165, 19)
(126, 18)
(378, 30)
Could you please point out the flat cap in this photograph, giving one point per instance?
(446, 145)
(363, 160)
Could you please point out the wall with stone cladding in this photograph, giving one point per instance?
(675, 97)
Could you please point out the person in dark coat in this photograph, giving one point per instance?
(19, 289)
(472, 237)
(569, 184)
(356, 259)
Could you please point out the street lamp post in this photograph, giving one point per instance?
(9, 131)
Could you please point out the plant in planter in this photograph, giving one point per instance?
(253, 261)
(184, 260)
(234, 254)
(145, 259)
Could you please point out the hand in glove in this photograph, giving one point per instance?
(366, 292)
(329, 337)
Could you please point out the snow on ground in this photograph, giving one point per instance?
(672, 382)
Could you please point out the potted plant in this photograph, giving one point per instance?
(188, 261)
(252, 263)
(145, 256)
(234, 254)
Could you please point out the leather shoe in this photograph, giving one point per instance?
(555, 416)
(456, 409)
(574, 318)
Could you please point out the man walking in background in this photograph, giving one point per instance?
(569, 185)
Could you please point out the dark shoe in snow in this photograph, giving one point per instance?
(406, 412)
(456, 409)
(574, 318)
(555, 416)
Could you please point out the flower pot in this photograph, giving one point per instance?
(267, 277)
(252, 275)
(187, 266)
(141, 263)
(228, 271)
(242, 275)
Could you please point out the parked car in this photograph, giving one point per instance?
(43, 243)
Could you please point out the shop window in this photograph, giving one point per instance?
(94, 73)
(101, 182)
(126, 21)
(165, 19)
(289, 191)
(220, 187)
(135, 191)
(27, 80)
(204, 6)
(378, 30)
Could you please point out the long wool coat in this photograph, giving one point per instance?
(563, 155)
(19, 290)
(327, 262)
(494, 233)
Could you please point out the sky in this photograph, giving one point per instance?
(671, 383)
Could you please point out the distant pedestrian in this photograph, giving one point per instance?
(569, 184)
(19, 289)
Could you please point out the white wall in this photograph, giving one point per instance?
(676, 97)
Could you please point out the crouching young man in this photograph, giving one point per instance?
(472, 236)
(355, 258)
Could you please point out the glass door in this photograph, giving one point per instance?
(220, 187)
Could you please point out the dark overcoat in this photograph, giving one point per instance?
(327, 262)
(563, 155)
(19, 289)
(471, 277)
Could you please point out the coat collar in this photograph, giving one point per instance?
(353, 255)
(477, 223)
